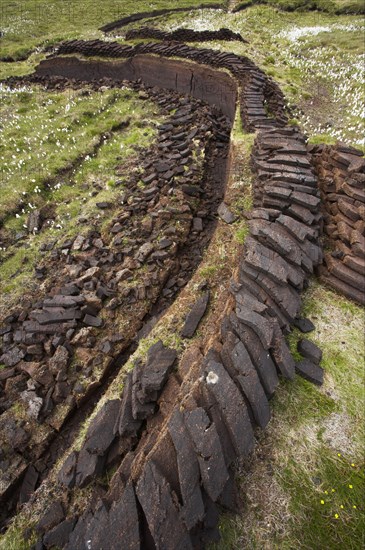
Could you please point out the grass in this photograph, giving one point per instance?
(305, 488)
(92, 180)
(43, 133)
(29, 24)
(317, 59)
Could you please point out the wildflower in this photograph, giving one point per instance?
(336, 516)
(350, 486)
(322, 501)
(354, 506)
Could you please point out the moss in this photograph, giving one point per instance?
(229, 534)
(14, 538)
(210, 271)
(241, 233)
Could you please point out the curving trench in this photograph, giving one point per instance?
(173, 436)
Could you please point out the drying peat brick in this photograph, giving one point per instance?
(96, 529)
(272, 264)
(209, 450)
(123, 524)
(28, 485)
(59, 360)
(36, 328)
(209, 403)
(225, 214)
(249, 381)
(261, 326)
(192, 190)
(311, 372)
(58, 536)
(304, 199)
(58, 316)
(260, 357)
(67, 474)
(192, 510)
(229, 499)
(100, 434)
(303, 324)
(302, 214)
(282, 356)
(160, 361)
(126, 425)
(6, 373)
(195, 315)
(88, 466)
(53, 516)
(297, 229)
(232, 407)
(253, 287)
(12, 357)
(77, 539)
(92, 321)
(163, 518)
(310, 351)
(64, 301)
(140, 410)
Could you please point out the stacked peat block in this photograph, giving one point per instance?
(176, 452)
(184, 35)
(341, 179)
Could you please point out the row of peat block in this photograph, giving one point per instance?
(184, 35)
(177, 430)
(132, 18)
(262, 103)
(341, 179)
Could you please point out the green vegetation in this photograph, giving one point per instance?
(62, 151)
(242, 232)
(30, 25)
(316, 57)
(46, 134)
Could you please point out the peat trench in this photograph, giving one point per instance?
(173, 437)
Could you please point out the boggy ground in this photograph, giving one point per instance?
(77, 502)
